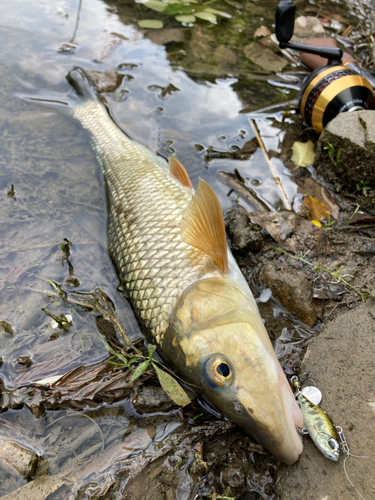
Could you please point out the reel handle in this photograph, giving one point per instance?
(284, 27)
(330, 53)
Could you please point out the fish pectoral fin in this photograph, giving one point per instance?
(179, 172)
(202, 225)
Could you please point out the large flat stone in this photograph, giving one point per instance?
(341, 362)
(353, 134)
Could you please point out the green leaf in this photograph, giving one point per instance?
(115, 353)
(178, 8)
(207, 16)
(172, 387)
(186, 19)
(218, 12)
(173, 1)
(151, 349)
(151, 24)
(155, 5)
(139, 370)
(303, 154)
(57, 287)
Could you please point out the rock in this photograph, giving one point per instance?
(22, 459)
(306, 27)
(152, 399)
(242, 232)
(6, 327)
(233, 476)
(162, 37)
(341, 363)
(24, 361)
(225, 56)
(292, 288)
(292, 232)
(201, 43)
(106, 81)
(354, 135)
(264, 57)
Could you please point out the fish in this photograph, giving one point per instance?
(320, 428)
(168, 244)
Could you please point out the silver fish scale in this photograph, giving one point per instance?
(146, 204)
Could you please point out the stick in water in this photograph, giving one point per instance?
(277, 180)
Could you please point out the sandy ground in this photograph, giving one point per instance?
(341, 362)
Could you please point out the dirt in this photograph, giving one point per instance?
(339, 357)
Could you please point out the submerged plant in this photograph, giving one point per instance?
(183, 12)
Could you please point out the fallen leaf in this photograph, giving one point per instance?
(172, 387)
(317, 223)
(360, 218)
(303, 153)
(291, 231)
(317, 209)
(339, 18)
(48, 380)
(262, 31)
(151, 24)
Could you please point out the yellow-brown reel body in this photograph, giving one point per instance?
(330, 90)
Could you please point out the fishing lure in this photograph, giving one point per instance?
(316, 421)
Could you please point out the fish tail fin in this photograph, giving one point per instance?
(83, 85)
(83, 90)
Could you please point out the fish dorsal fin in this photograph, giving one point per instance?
(202, 225)
(178, 171)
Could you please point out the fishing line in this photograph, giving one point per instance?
(346, 474)
(346, 449)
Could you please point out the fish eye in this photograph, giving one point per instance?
(333, 444)
(223, 369)
(217, 371)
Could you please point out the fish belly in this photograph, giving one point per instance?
(145, 208)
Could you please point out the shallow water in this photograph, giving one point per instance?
(59, 192)
(58, 186)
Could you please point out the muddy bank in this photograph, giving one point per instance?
(341, 362)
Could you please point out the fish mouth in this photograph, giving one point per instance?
(293, 446)
(274, 423)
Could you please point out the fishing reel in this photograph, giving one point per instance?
(331, 89)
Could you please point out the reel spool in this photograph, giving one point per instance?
(331, 89)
